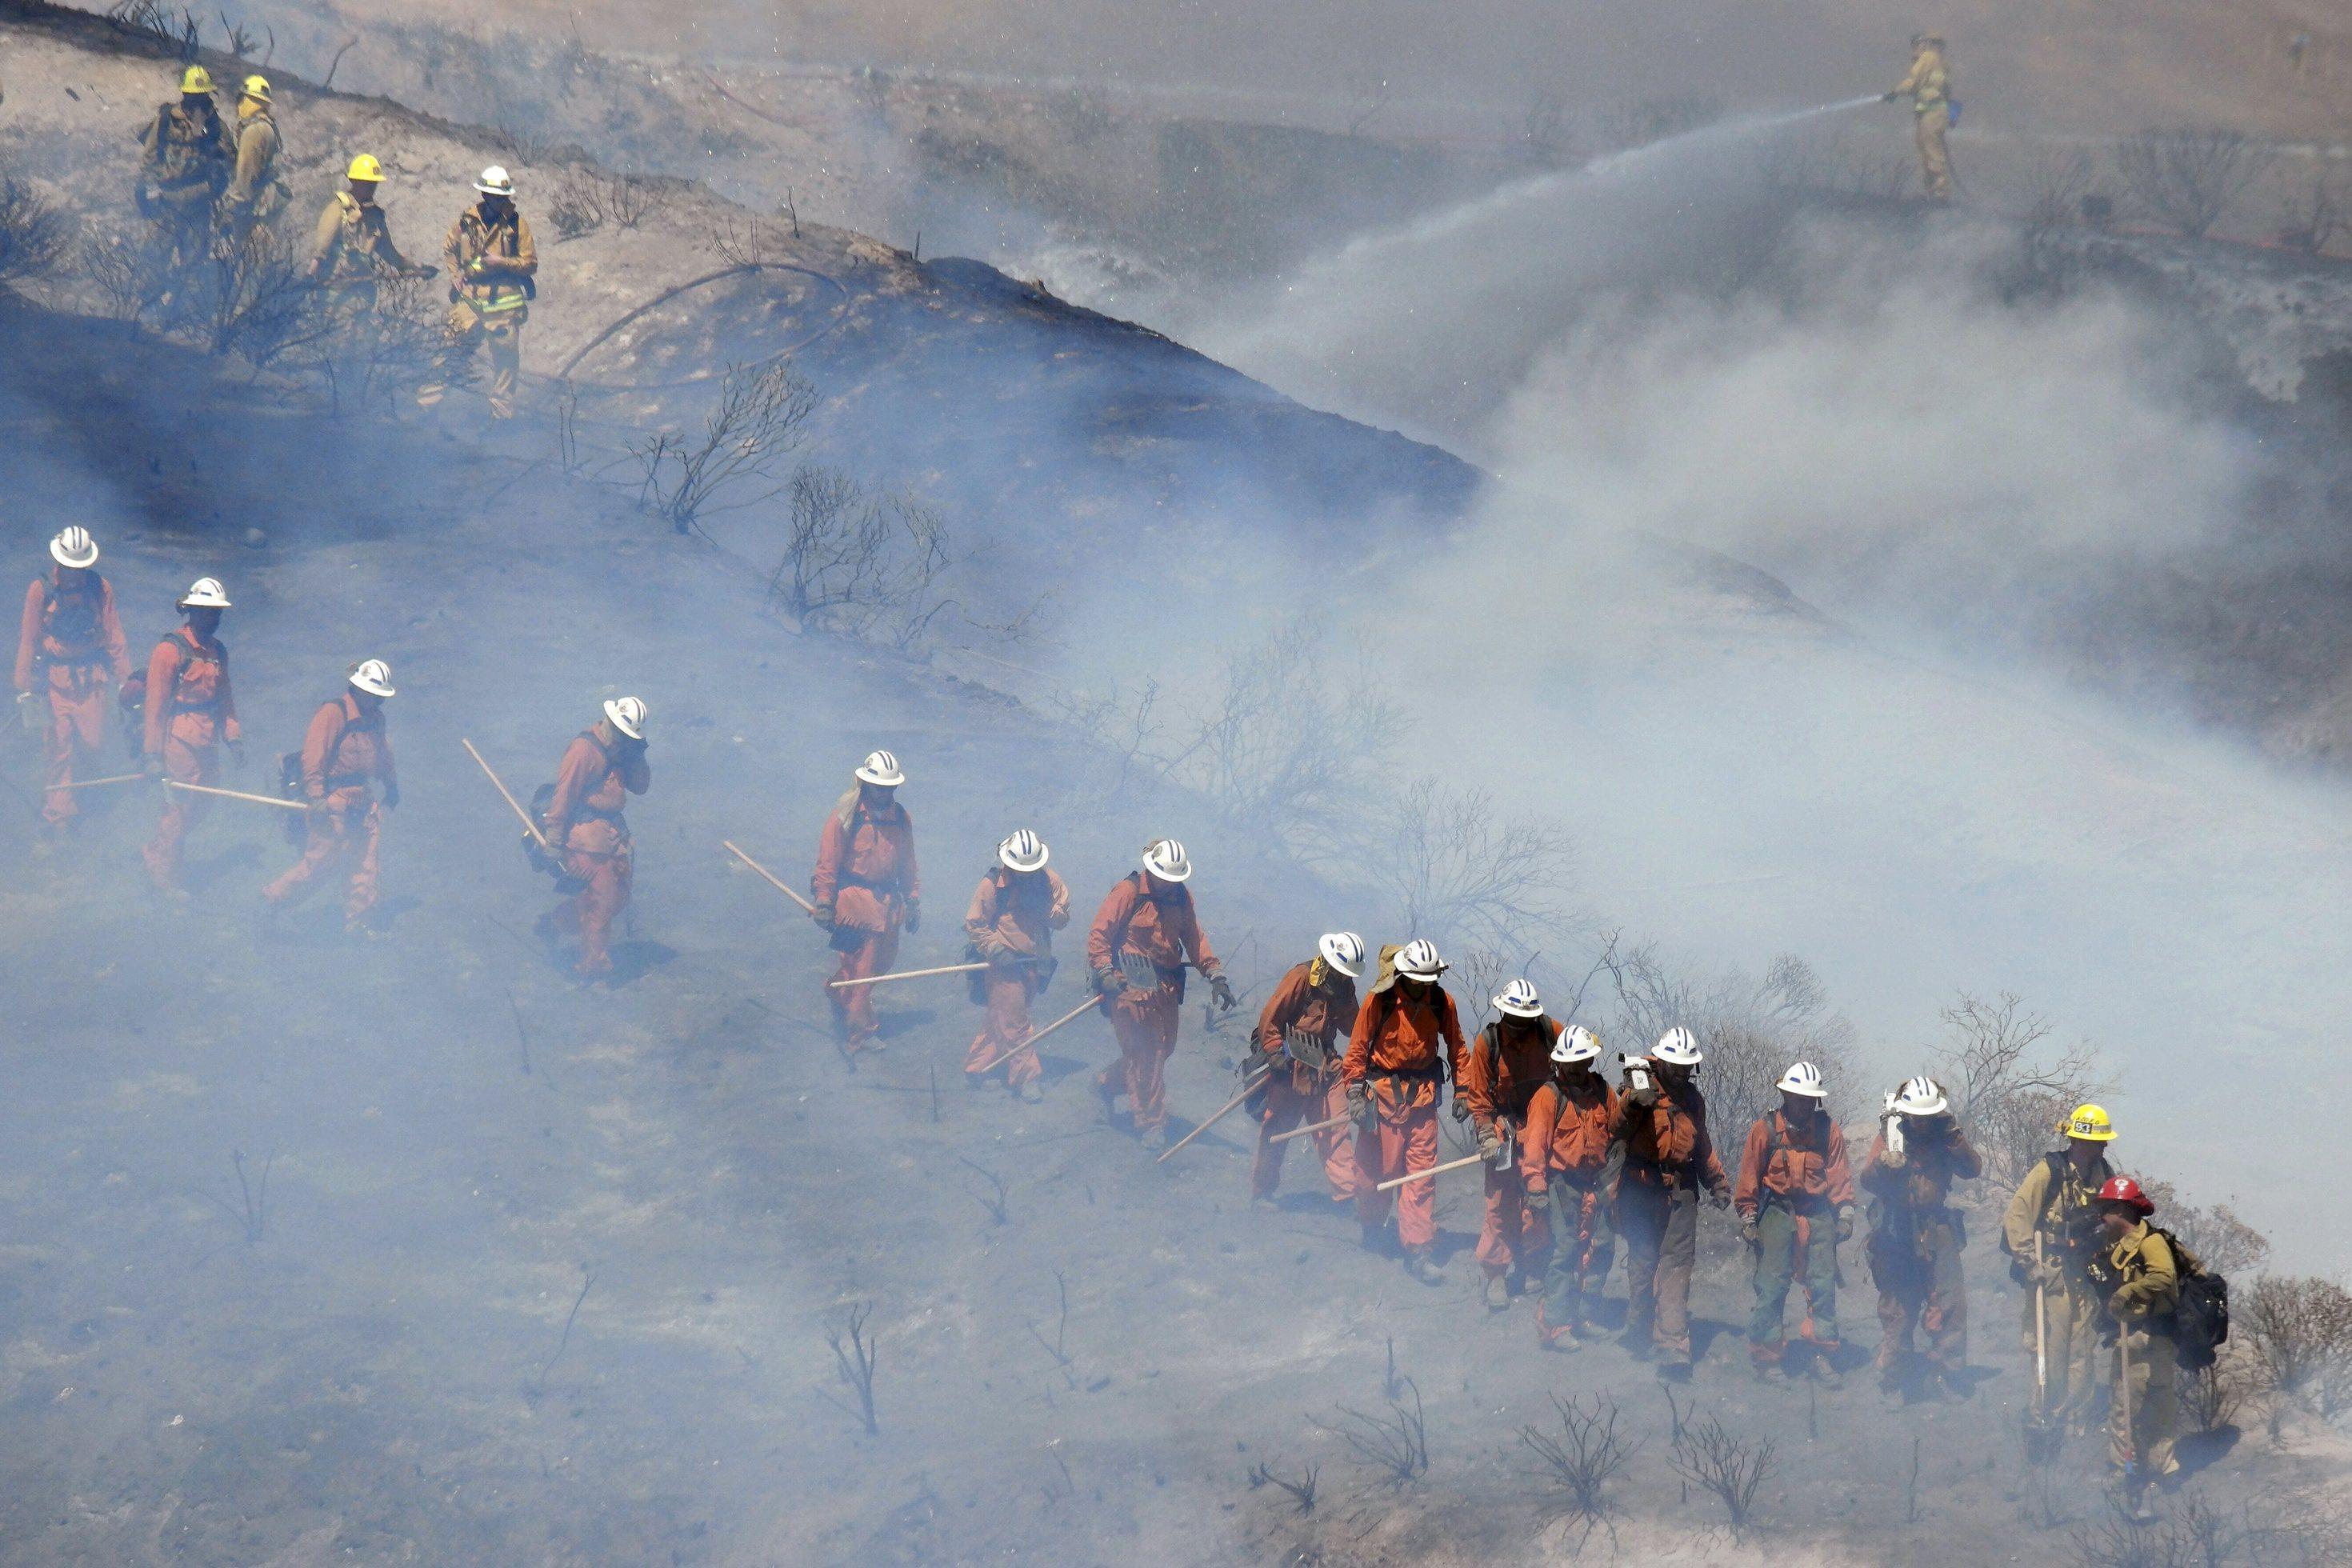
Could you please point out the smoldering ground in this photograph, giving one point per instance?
(543, 1276)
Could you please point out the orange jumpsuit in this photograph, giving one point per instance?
(1162, 929)
(1572, 1126)
(866, 872)
(1314, 1001)
(346, 753)
(1668, 1155)
(1915, 1248)
(1793, 1184)
(1403, 1050)
(190, 712)
(1013, 917)
(588, 832)
(72, 641)
(1509, 1061)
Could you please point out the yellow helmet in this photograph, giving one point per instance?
(365, 167)
(2089, 1123)
(195, 80)
(256, 88)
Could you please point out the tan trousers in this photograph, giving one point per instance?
(502, 335)
(2071, 1330)
(2155, 1405)
(1934, 158)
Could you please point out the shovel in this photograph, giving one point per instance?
(2042, 1434)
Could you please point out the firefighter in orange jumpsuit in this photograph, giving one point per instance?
(1795, 1202)
(1296, 1032)
(1669, 1156)
(1502, 1070)
(190, 714)
(1015, 910)
(1570, 1116)
(68, 644)
(604, 765)
(1915, 1237)
(1406, 1040)
(345, 754)
(1144, 935)
(867, 889)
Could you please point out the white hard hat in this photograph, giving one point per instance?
(1576, 1044)
(1678, 1047)
(1804, 1079)
(204, 594)
(1343, 951)
(373, 677)
(1520, 1000)
(1418, 961)
(1025, 851)
(1922, 1097)
(628, 716)
(73, 548)
(880, 768)
(495, 182)
(1165, 859)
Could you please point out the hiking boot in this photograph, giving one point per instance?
(1155, 1138)
(1032, 1093)
(1561, 1340)
(1767, 1372)
(1419, 1265)
(1496, 1291)
(1673, 1371)
(1827, 1375)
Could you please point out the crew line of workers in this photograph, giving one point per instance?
(206, 185)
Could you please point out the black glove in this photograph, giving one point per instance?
(1111, 981)
(1461, 1109)
(1888, 97)
(1222, 990)
(2021, 1271)
(1845, 1225)
(823, 915)
(151, 764)
(392, 797)
(1540, 1202)
(914, 919)
(237, 754)
(1720, 1200)
(1752, 1233)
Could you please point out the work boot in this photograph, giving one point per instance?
(1375, 1236)
(1939, 1386)
(1155, 1138)
(1264, 1201)
(1107, 1093)
(1767, 1372)
(1561, 1340)
(1032, 1093)
(1496, 1291)
(1825, 1374)
(1673, 1371)
(1420, 1266)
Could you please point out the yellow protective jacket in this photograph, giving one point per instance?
(2149, 1271)
(187, 148)
(487, 265)
(352, 242)
(254, 188)
(1930, 84)
(2055, 1210)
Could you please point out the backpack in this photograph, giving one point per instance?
(2200, 1319)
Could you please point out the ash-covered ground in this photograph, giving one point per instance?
(1848, 607)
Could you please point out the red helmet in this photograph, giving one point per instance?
(2124, 1190)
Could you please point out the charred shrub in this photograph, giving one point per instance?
(1586, 1452)
(2299, 1332)
(2188, 177)
(34, 232)
(1735, 1471)
(732, 462)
